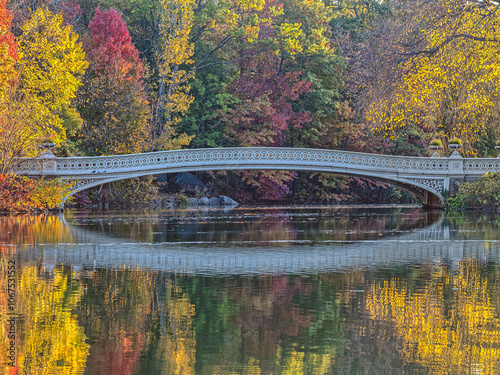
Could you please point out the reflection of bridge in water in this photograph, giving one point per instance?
(430, 244)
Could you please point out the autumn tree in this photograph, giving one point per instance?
(112, 101)
(263, 116)
(8, 75)
(293, 39)
(441, 76)
(39, 93)
(175, 51)
(51, 64)
(8, 49)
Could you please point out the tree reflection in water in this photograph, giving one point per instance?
(49, 338)
(430, 316)
(449, 323)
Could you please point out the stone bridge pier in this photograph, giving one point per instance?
(430, 178)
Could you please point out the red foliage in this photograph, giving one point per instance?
(271, 94)
(22, 194)
(6, 24)
(15, 192)
(109, 47)
(264, 116)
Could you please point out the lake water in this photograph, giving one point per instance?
(251, 291)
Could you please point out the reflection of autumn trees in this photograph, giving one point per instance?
(267, 312)
(262, 325)
(114, 307)
(171, 339)
(128, 314)
(34, 229)
(447, 325)
(263, 226)
(474, 225)
(51, 340)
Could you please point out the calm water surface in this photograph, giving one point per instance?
(251, 291)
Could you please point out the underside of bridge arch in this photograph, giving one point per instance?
(430, 199)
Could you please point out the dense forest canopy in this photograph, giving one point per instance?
(101, 77)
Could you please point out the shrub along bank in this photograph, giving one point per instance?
(481, 194)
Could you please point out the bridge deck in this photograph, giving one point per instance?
(419, 174)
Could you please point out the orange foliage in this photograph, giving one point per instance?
(19, 193)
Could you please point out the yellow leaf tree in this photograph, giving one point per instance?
(443, 74)
(51, 65)
(175, 51)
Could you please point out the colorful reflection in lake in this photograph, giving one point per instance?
(255, 291)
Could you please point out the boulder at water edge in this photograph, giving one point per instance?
(226, 201)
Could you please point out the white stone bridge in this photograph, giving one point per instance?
(428, 177)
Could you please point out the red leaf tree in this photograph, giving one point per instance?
(8, 47)
(112, 100)
(263, 117)
(109, 48)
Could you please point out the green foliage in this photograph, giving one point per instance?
(181, 199)
(436, 142)
(212, 98)
(481, 194)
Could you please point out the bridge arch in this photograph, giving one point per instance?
(426, 177)
(426, 195)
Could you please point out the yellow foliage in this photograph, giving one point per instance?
(51, 60)
(176, 49)
(454, 91)
(431, 330)
(51, 63)
(256, 5)
(52, 342)
(7, 70)
(290, 34)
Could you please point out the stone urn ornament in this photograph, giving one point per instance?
(435, 145)
(455, 144)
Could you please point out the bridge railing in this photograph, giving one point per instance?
(245, 157)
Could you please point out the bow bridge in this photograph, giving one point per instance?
(427, 177)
